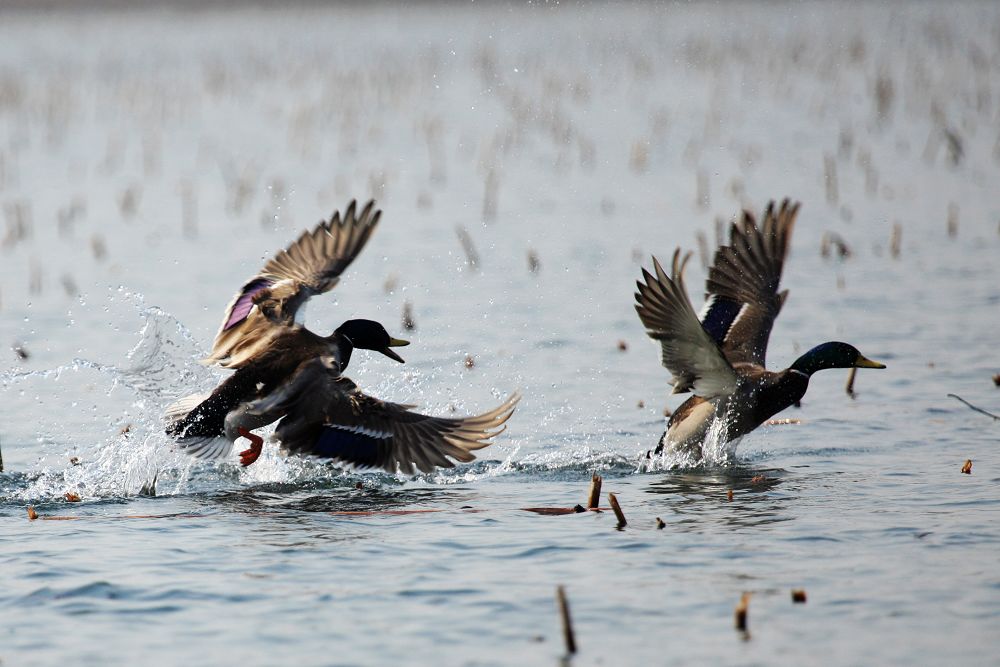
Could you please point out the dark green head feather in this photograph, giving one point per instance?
(832, 355)
(369, 335)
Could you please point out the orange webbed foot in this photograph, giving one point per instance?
(248, 456)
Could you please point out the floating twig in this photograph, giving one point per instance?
(967, 467)
(594, 498)
(988, 414)
(849, 388)
(567, 622)
(617, 509)
(555, 511)
(799, 595)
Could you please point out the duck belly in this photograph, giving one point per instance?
(686, 431)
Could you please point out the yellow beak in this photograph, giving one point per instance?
(865, 362)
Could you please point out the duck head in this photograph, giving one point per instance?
(833, 355)
(369, 335)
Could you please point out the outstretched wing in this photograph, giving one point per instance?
(742, 298)
(309, 266)
(687, 350)
(328, 416)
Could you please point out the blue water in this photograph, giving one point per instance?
(151, 159)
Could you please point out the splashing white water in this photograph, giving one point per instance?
(715, 451)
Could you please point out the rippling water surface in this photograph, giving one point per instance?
(151, 159)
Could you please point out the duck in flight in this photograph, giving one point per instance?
(284, 371)
(719, 355)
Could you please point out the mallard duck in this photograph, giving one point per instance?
(285, 371)
(719, 355)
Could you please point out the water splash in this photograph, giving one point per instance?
(716, 451)
(106, 419)
(84, 400)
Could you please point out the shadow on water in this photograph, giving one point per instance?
(700, 497)
(288, 500)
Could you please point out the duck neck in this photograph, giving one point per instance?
(806, 365)
(823, 356)
(344, 348)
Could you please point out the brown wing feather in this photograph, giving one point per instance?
(687, 350)
(311, 265)
(317, 399)
(748, 272)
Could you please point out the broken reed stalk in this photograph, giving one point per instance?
(490, 196)
(567, 621)
(702, 190)
(617, 510)
(534, 264)
(849, 388)
(988, 414)
(471, 256)
(409, 323)
(830, 179)
(742, 613)
(702, 249)
(594, 499)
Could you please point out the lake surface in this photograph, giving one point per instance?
(152, 159)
